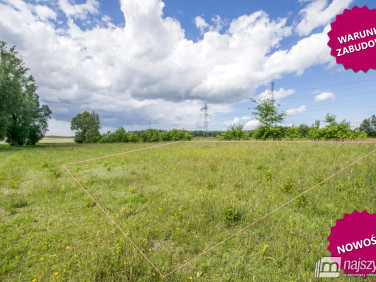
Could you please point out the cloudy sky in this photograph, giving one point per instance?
(142, 63)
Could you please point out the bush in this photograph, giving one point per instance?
(232, 215)
(179, 135)
(303, 130)
(264, 132)
(150, 135)
(133, 138)
(119, 136)
(292, 133)
(314, 133)
(165, 136)
(235, 132)
(334, 130)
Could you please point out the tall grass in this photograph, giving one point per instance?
(175, 202)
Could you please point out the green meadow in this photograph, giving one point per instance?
(174, 202)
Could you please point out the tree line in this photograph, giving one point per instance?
(86, 127)
(267, 113)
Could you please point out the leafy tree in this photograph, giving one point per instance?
(263, 132)
(118, 136)
(133, 138)
(150, 135)
(369, 126)
(268, 115)
(86, 126)
(22, 119)
(331, 119)
(333, 130)
(303, 130)
(179, 134)
(235, 132)
(293, 133)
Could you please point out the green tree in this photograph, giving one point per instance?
(334, 130)
(234, 132)
(293, 133)
(22, 119)
(369, 126)
(86, 126)
(150, 135)
(269, 116)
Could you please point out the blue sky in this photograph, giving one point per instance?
(156, 62)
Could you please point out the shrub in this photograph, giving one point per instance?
(119, 136)
(264, 132)
(235, 132)
(303, 130)
(165, 136)
(232, 215)
(292, 133)
(288, 185)
(133, 138)
(150, 135)
(314, 133)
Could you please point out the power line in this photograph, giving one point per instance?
(338, 84)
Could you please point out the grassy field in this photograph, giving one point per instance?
(175, 202)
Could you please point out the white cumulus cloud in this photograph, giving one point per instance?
(79, 10)
(201, 24)
(45, 13)
(147, 70)
(318, 13)
(324, 96)
(252, 124)
(236, 121)
(295, 111)
(278, 94)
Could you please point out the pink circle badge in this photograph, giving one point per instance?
(353, 242)
(353, 39)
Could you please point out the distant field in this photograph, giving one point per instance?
(53, 139)
(57, 139)
(175, 202)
